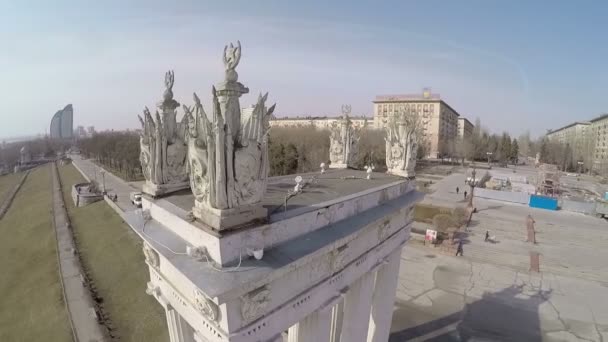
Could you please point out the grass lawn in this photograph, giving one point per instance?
(31, 304)
(113, 255)
(425, 212)
(7, 182)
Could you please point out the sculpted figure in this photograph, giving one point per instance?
(163, 148)
(401, 144)
(228, 156)
(344, 139)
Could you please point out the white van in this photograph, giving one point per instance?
(136, 199)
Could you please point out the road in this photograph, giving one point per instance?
(113, 184)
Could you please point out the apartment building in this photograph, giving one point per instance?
(439, 120)
(465, 128)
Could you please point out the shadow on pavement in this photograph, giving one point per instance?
(499, 316)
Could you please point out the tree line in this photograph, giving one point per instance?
(116, 151)
(10, 153)
(302, 149)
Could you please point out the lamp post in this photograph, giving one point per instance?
(472, 186)
(103, 173)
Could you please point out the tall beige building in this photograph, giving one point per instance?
(577, 135)
(599, 148)
(465, 128)
(588, 141)
(439, 120)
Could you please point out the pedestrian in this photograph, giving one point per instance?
(487, 235)
(457, 189)
(459, 249)
(465, 195)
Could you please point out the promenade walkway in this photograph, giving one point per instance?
(114, 184)
(78, 300)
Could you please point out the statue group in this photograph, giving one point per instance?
(163, 146)
(223, 157)
(401, 144)
(344, 141)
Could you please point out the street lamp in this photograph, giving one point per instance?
(103, 173)
(472, 185)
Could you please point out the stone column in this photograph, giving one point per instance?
(179, 329)
(357, 305)
(336, 322)
(384, 298)
(314, 328)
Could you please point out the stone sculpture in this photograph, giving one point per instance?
(206, 306)
(228, 157)
(401, 143)
(254, 303)
(344, 140)
(163, 146)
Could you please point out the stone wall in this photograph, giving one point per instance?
(505, 196)
(577, 206)
(84, 198)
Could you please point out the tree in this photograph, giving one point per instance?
(544, 150)
(504, 150)
(514, 151)
(276, 153)
(524, 144)
(291, 159)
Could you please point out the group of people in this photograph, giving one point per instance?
(460, 250)
(458, 190)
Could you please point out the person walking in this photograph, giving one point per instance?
(465, 195)
(459, 250)
(487, 235)
(457, 189)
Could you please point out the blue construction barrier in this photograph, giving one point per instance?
(543, 202)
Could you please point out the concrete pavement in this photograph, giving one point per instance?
(114, 184)
(489, 294)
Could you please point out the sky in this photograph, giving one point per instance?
(516, 65)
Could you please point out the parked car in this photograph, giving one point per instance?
(136, 199)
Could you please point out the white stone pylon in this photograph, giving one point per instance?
(384, 298)
(336, 322)
(357, 306)
(179, 329)
(314, 328)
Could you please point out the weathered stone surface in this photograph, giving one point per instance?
(163, 147)
(228, 156)
(401, 144)
(343, 141)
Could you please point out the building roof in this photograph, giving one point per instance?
(465, 119)
(407, 97)
(570, 125)
(308, 118)
(425, 96)
(601, 117)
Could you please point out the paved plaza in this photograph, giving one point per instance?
(490, 295)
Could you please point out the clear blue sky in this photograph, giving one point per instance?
(517, 65)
